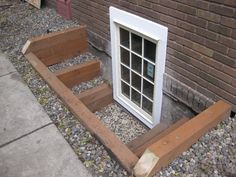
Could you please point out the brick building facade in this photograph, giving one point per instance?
(201, 51)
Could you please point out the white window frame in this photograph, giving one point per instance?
(154, 32)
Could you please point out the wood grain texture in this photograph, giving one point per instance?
(55, 47)
(127, 158)
(79, 73)
(140, 141)
(139, 146)
(97, 97)
(170, 146)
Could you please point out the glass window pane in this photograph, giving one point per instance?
(149, 71)
(147, 105)
(136, 63)
(136, 81)
(124, 56)
(125, 75)
(125, 89)
(136, 97)
(150, 50)
(148, 89)
(124, 37)
(136, 43)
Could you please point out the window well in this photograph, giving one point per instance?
(138, 62)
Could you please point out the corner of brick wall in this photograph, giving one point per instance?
(185, 94)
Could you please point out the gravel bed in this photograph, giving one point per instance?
(77, 89)
(213, 155)
(73, 61)
(120, 122)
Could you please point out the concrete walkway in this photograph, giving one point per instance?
(30, 144)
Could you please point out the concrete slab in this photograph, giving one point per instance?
(20, 113)
(5, 65)
(43, 153)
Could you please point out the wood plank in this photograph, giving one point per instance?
(162, 152)
(55, 47)
(143, 139)
(142, 144)
(79, 73)
(127, 158)
(97, 97)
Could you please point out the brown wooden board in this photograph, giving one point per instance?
(140, 141)
(79, 73)
(55, 47)
(140, 144)
(162, 152)
(96, 98)
(127, 158)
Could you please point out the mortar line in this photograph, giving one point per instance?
(22, 136)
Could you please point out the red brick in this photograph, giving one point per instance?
(186, 9)
(219, 29)
(205, 92)
(198, 4)
(211, 62)
(216, 46)
(191, 53)
(184, 41)
(229, 70)
(207, 34)
(222, 10)
(208, 15)
(227, 41)
(168, 3)
(175, 30)
(223, 59)
(230, 3)
(203, 50)
(234, 34)
(230, 22)
(232, 53)
(168, 19)
(196, 21)
(195, 38)
(186, 26)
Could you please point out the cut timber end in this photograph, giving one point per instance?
(79, 73)
(97, 97)
(177, 141)
(55, 47)
(145, 164)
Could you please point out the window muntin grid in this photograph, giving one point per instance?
(138, 55)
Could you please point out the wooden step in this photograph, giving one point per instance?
(166, 149)
(139, 145)
(79, 73)
(58, 46)
(113, 144)
(97, 97)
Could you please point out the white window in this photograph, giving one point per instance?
(138, 62)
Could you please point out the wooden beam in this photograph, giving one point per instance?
(127, 158)
(162, 152)
(79, 73)
(139, 145)
(55, 47)
(96, 98)
(135, 144)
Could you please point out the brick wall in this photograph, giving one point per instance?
(201, 53)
